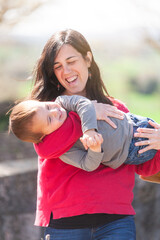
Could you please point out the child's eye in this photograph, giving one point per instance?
(50, 120)
(47, 106)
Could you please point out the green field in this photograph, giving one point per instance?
(116, 75)
(17, 62)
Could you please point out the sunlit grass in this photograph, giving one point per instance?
(145, 105)
(17, 62)
(25, 88)
(116, 75)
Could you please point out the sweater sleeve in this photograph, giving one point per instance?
(86, 160)
(61, 140)
(149, 168)
(120, 105)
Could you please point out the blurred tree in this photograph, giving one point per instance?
(153, 42)
(12, 11)
(151, 31)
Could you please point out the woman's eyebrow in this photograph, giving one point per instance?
(70, 57)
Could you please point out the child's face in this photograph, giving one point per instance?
(49, 117)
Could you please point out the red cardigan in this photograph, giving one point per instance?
(68, 191)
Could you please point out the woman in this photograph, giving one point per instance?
(72, 203)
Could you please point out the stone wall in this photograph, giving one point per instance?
(18, 180)
(147, 206)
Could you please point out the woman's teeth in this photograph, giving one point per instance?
(71, 79)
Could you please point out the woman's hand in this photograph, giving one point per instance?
(104, 111)
(153, 135)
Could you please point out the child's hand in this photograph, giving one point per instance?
(93, 140)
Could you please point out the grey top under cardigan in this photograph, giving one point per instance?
(115, 144)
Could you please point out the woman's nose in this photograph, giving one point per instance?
(66, 69)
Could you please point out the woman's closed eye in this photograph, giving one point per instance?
(71, 62)
(57, 67)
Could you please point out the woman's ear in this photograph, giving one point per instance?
(89, 58)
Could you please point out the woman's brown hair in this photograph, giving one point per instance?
(45, 84)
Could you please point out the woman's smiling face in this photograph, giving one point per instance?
(71, 70)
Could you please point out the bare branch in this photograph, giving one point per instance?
(12, 12)
(153, 43)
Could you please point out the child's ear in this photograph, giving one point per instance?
(89, 58)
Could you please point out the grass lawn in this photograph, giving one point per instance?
(17, 62)
(116, 76)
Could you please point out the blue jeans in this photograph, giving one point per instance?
(122, 229)
(134, 157)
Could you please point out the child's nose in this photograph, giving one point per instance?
(54, 111)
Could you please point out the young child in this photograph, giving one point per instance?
(32, 120)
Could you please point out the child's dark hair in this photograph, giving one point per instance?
(20, 122)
